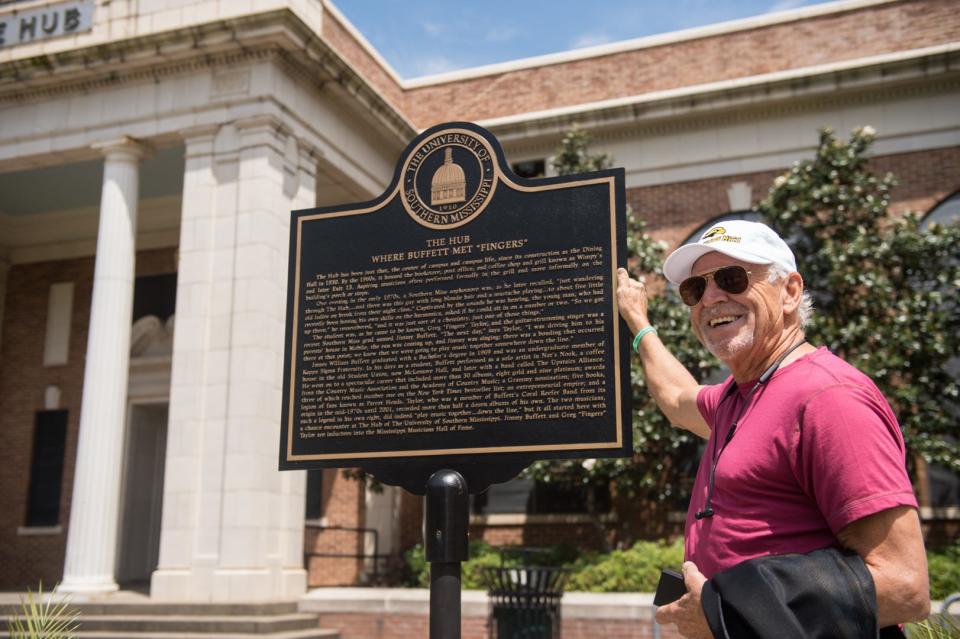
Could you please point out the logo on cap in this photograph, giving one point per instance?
(719, 234)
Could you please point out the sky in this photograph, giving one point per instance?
(426, 37)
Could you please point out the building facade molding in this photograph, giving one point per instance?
(920, 71)
(220, 44)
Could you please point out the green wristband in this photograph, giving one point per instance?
(640, 335)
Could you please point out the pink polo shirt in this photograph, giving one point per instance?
(818, 448)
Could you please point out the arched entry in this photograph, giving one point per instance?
(141, 505)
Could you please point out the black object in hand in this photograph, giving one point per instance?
(670, 588)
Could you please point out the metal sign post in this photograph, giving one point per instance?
(445, 544)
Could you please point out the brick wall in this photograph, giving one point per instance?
(834, 37)
(411, 520)
(358, 625)
(344, 43)
(27, 559)
(584, 535)
(342, 509)
(675, 210)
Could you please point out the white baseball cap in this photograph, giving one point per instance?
(750, 242)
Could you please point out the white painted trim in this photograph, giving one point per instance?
(316, 523)
(781, 160)
(38, 531)
(56, 343)
(416, 601)
(754, 81)
(928, 513)
(523, 519)
(720, 28)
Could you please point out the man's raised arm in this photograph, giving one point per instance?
(672, 386)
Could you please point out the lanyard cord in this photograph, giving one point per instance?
(715, 457)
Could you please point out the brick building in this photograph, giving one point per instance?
(150, 153)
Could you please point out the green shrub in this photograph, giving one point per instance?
(633, 570)
(944, 568)
(483, 555)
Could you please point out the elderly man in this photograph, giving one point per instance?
(803, 451)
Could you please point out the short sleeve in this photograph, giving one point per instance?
(708, 400)
(850, 456)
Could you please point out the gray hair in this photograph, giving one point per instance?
(775, 273)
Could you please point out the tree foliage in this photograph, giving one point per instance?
(884, 289)
(660, 468)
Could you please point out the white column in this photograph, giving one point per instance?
(232, 523)
(92, 534)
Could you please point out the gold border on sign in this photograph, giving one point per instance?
(499, 175)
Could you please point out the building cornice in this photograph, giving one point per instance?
(223, 43)
(784, 91)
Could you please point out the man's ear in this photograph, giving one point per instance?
(791, 293)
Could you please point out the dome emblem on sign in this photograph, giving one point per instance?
(448, 178)
(449, 184)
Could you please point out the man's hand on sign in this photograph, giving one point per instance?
(632, 298)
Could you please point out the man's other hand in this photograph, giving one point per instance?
(686, 612)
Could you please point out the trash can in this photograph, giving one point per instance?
(525, 599)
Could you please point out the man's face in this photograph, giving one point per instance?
(740, 329)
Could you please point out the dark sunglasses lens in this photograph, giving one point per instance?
(732, 279)
(691, 289)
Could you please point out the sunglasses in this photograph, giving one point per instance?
(732, 279)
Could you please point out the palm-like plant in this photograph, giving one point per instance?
(42, 617)
(936, 627)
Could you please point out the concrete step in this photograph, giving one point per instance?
(145, 607)
(246, 624)
(144, 620)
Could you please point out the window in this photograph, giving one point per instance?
(46, 469)
(155, 295)
(530, 168)
(946, 211)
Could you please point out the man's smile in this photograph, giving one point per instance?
(723, 320)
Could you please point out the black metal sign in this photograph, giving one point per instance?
(466, 319)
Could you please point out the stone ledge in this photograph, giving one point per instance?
(474, 603)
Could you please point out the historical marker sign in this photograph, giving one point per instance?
(465, 319)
